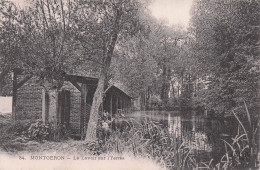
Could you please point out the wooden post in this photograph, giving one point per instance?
(14, 116)
(66, 108)
(59, 107)
(178, 92)
(124, 104)
(53, 108)
(111, 105)
(127, 108)
(121, 103)
(45, 106)
(127, 105)
(116, 103)
(83, 115)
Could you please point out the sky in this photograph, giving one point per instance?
(21, 3)
(174, 11)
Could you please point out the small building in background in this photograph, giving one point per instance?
(69, 106)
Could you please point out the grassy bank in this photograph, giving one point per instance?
(141, 140)
(14, 142)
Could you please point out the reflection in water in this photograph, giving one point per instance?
(195, 139)
(200, 135)
(174, 125)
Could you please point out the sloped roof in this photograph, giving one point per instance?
(117, 88)
(94, 81)
(82, 79)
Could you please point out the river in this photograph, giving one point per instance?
(204, 137)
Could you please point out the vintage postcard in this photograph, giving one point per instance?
(129, 84)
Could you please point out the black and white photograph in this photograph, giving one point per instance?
(129, 84)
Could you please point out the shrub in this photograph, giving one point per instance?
(19, 127)
(61, 133)
(40, 131)
(147, 139)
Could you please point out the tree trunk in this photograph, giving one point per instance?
(163, 96)
(83, 115)
(3, 75)
(14, 116)
(91, 134)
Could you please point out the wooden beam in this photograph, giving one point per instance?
(25, 79)
(81, 79)
(75, 84)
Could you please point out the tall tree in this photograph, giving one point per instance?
(41, 37)
(47, 45)
(114, 19)
(9, 44)
(226, 42)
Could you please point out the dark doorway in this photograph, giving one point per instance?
(64, 108)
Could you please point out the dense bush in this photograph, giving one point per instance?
(40, 131)
(147, 139)
(19, 127)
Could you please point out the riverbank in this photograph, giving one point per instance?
(20, 152)
(163, 147)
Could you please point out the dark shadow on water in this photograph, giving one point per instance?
(203, 136)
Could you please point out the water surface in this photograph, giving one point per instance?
(204, 137)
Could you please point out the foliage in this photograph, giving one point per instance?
(134, 66)
(149, 140)
(246, 140)
(225, 45)
(19, 127)
(94, 148)
(241, 152)
(9, 44)
(153, 61)
(40, 131)
(146, 139)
